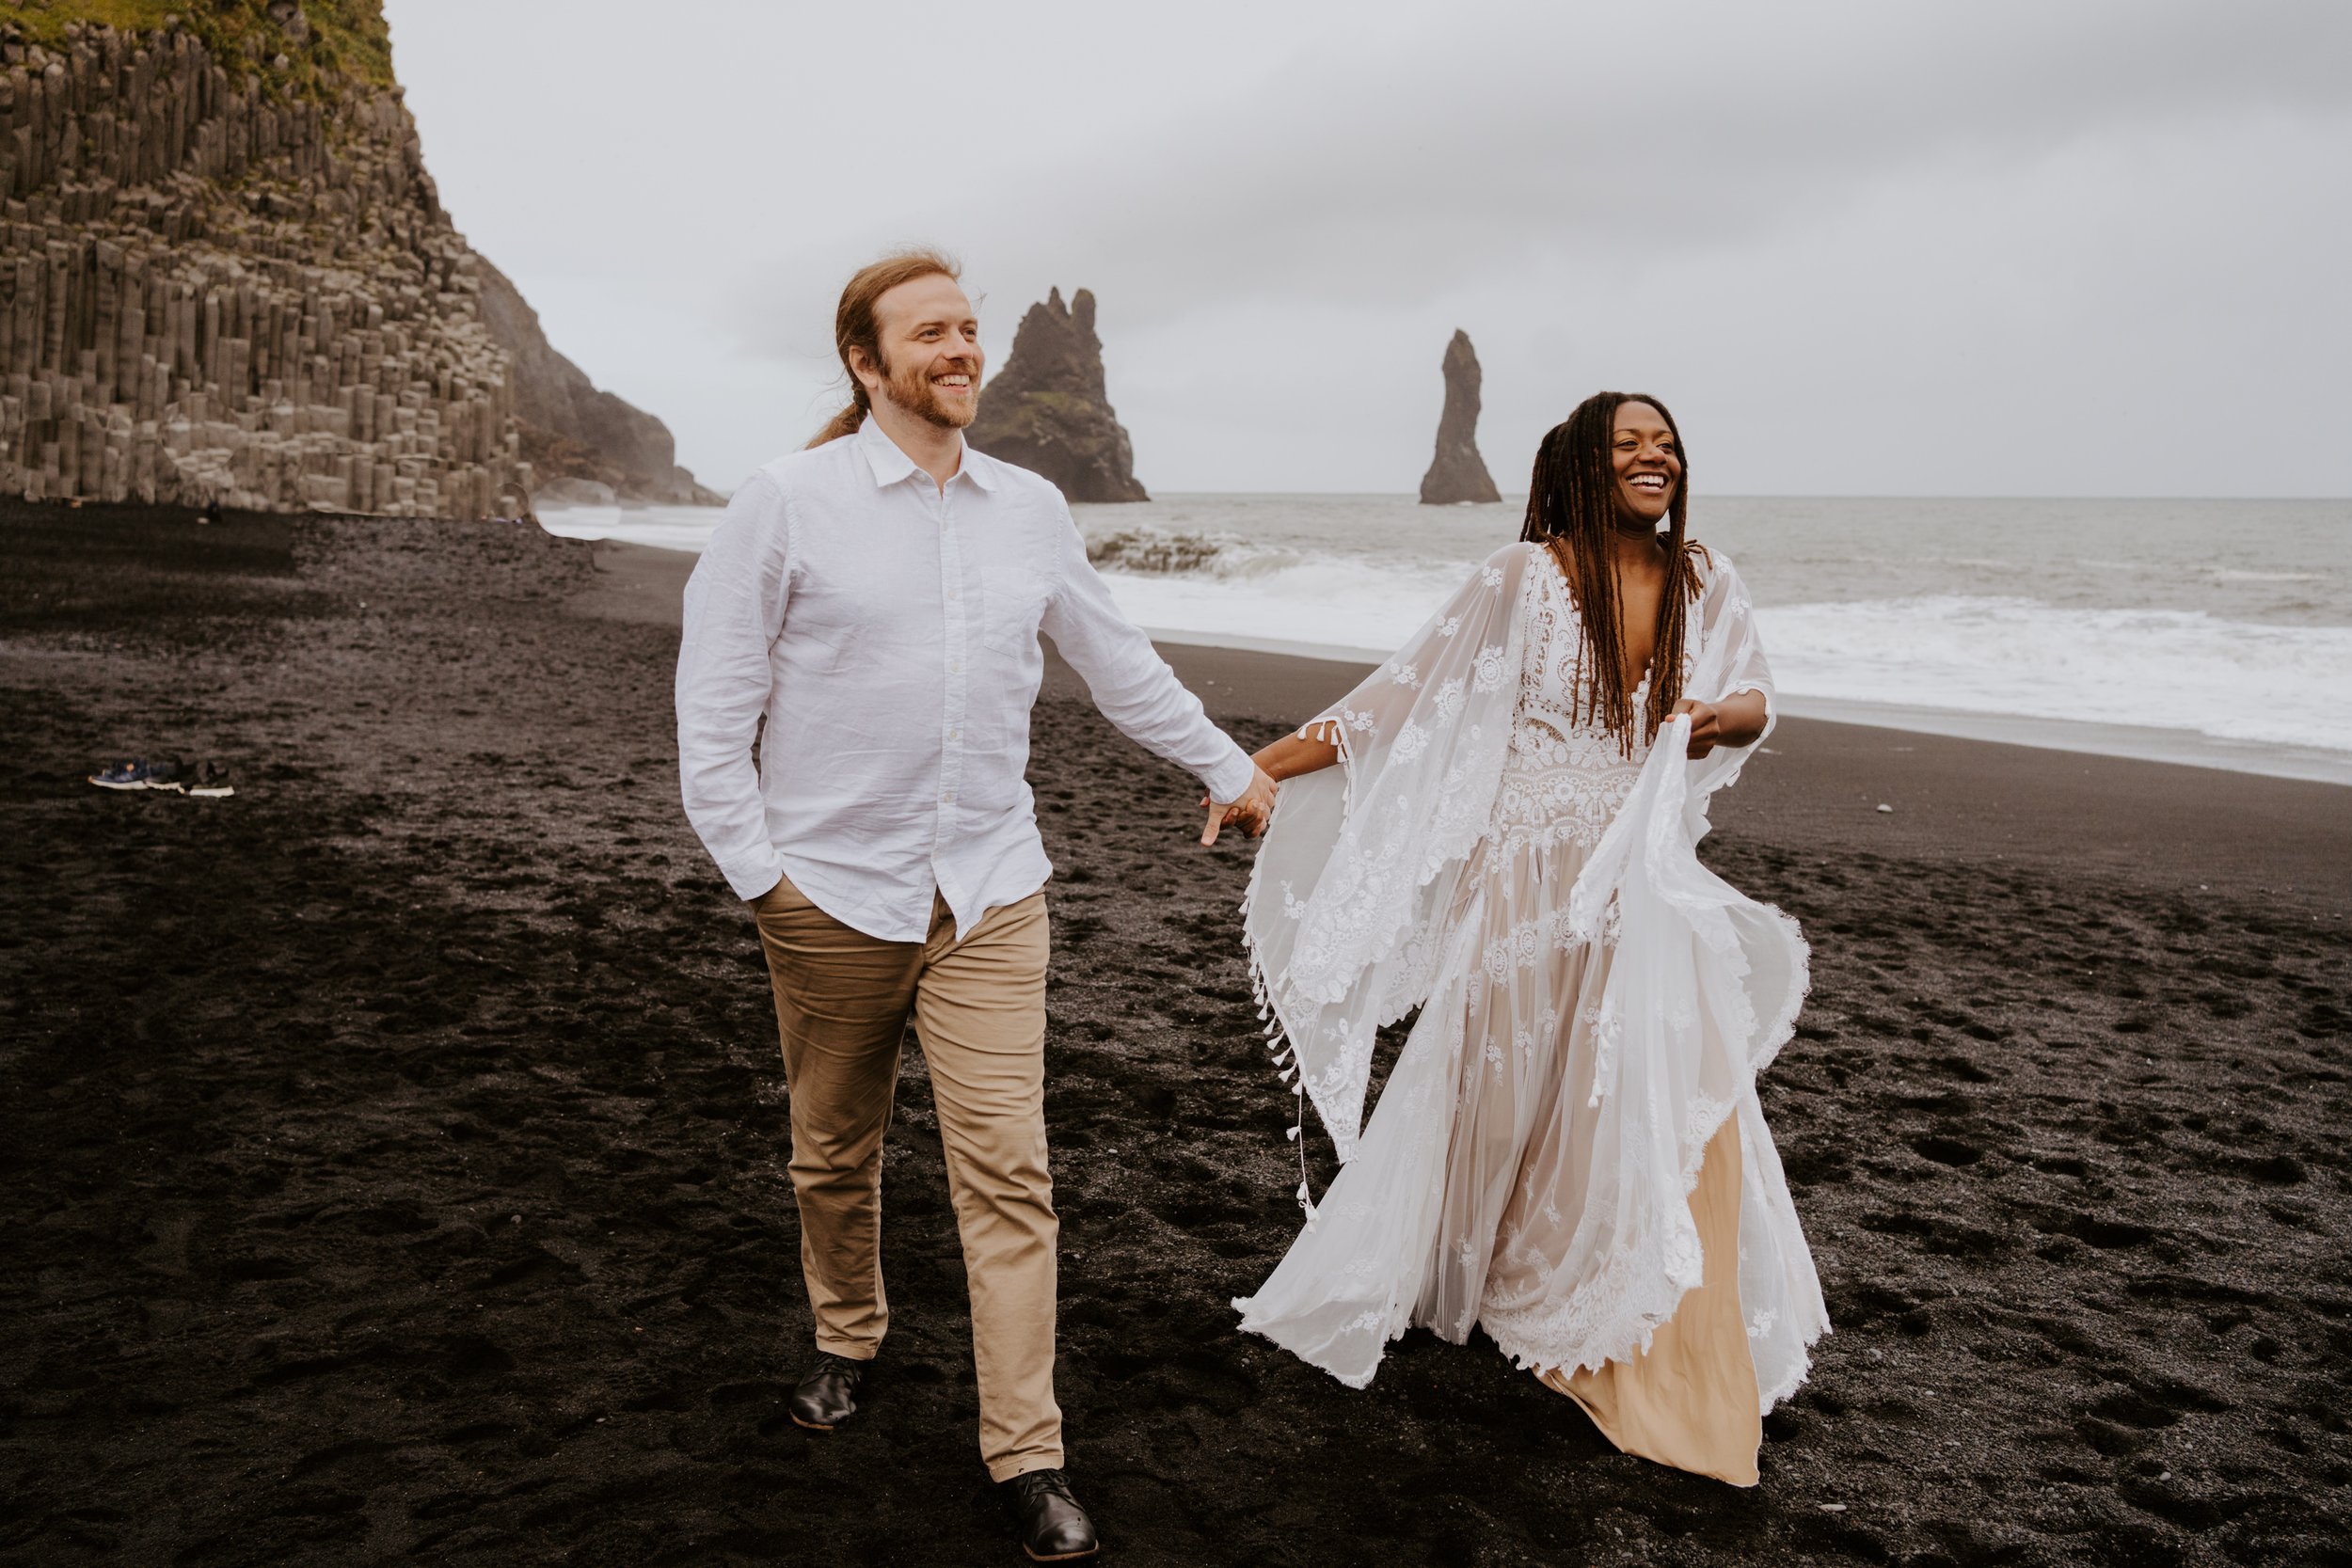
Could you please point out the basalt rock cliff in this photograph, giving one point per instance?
(1048, 409)
(225, 276)
(1457, 473)
(570, 429)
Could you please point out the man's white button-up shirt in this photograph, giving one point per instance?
(886, 628)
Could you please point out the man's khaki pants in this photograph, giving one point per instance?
(843, 999)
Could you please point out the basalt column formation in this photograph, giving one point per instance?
(217, 289)
(1457, 473)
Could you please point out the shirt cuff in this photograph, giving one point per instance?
(1229, 779)
(753, 875)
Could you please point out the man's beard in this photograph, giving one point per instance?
(912, 391)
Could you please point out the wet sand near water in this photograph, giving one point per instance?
(393, 1153)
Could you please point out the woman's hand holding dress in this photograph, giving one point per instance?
(1735, 721)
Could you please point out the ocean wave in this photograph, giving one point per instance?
(2265, 683)
(2161, 669)
(2234, 573)
(1336, 605)
(2054, 653)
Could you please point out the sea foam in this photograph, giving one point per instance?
(2269, 683)
(2220, 619)
(2159, 668)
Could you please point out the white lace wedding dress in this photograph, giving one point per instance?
(1594, 1006)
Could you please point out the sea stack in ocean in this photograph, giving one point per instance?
(1457, 473)
(1047, 411)
(225, 278)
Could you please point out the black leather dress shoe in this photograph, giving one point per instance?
(1053, 1527)
(828, 1395)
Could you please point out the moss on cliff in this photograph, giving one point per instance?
(323, 41)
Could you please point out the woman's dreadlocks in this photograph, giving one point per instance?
(1572, 511)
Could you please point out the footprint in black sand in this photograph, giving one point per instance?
(341, 1453)
(1963, 1068)
(1154, 1102)
(470, 1358)
(1944, 1237)
(1860, 1306)
(2157, 1403)
(1205, 1210)
(2106, 1234)
(1815, 1163)
(2276, 1170)
(1956, 1152)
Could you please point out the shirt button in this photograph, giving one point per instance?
(955, 735)
(956, 667)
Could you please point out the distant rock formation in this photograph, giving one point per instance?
(1046, 410)
(570, 430)
(1457, 473)
(226, 276)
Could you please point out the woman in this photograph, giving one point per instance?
(1568, 1151)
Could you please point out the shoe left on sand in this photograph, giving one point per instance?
(137, 774)
(210, 781)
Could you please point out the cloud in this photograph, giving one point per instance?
(1515, 140)
(1889, 221)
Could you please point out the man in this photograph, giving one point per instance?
(877, 600)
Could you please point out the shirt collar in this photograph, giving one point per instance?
(889, 465)
(978, 467)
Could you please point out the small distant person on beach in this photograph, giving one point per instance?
(1568, 1152)
(877, 600)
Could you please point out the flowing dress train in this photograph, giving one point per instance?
(1568, 1152)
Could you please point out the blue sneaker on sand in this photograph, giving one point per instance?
(139, 773)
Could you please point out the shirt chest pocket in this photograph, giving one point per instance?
(1013, 602)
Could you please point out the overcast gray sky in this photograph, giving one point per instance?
(2061, 248)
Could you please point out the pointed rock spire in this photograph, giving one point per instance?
(1048, 409)
(1457, 473)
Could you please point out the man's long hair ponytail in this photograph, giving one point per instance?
(1572, 511)
(854, 324)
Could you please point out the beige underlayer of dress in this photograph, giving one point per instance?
(1690, 1400)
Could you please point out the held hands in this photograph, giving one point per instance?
(1253, 811)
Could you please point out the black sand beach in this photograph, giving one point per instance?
(393, 1153)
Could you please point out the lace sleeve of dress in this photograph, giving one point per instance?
(1461, 642)
(1729, 660)
(1359, 856)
